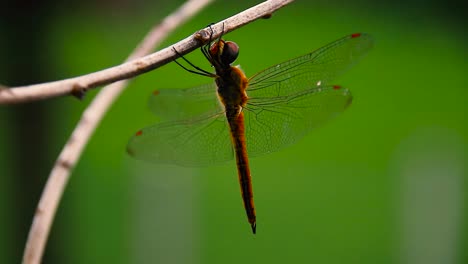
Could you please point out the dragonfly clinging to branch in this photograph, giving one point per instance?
(237, 117)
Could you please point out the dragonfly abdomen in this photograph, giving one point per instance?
(235, 119)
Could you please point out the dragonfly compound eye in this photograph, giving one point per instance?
(230, 52)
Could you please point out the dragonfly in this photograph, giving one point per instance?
(236, 117)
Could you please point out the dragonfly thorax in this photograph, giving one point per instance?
(232, 84)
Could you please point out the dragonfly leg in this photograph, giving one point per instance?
(198, 71)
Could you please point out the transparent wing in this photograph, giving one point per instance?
(270, 125)
(311, 70)
(196, 142)
(179, 104)
(275, 124)
(285, 103)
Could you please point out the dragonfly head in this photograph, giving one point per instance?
(224, 52)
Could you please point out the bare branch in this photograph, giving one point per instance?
(79, 85)
(71, 152)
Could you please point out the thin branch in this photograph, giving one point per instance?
(71, 152)
(93, 114)
(79, 85)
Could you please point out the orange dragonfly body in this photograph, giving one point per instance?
(247, 116)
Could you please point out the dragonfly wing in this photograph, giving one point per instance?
(310, 70)
(274, 124)
(195, 142)
(179, 104)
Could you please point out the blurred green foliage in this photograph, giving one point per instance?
(383, 183)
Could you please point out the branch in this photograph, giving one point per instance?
(71, 152)
(79, 85)
(93, 114)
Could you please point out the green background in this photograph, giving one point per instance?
(383, 183)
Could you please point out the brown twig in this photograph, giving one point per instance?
(71, 152)
(93, 114)
(79, 85)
